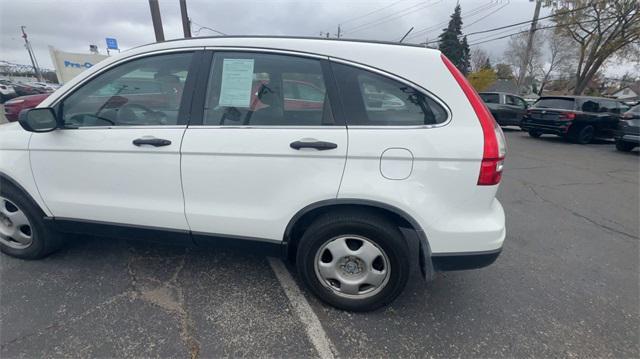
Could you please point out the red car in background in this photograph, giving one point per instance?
(13, 107)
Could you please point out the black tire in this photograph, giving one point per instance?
(535, 134)
(376, 229)
(583, 135)
(625, 146)
(44, 241)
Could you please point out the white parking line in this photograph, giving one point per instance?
(308, 317)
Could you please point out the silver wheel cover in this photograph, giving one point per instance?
(352, 267)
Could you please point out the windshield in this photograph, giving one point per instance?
(635, 109)
(555, 102)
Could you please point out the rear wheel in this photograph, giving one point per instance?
(583, 135)
(624, 146)
(353, 262)
(22, 230)
(535, 134)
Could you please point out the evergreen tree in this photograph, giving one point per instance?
(449, 40)
(465, 62)
(487, 65)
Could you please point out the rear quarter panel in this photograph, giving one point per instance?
(441, 193)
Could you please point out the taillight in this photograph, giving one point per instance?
(495, 148)
(568, 116)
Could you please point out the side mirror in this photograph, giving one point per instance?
(38, 119)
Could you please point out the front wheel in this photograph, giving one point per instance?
(584, 135)
(22, 230)
(354, 262)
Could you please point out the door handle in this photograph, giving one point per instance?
(155, 142)
(318, 145)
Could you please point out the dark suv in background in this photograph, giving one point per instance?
(628, 136)
(577, 118)
(508, 109)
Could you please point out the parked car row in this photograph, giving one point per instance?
(13, 107)
(580, 119)
(11, 89)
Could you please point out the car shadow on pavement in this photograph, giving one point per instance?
(557, 139)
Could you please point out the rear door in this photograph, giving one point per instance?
(610, 116)
(262, 144)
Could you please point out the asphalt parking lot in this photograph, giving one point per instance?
(567, 284)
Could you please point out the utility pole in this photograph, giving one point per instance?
(32, 56)
(527, 54)
(157, 21)
(339, 32)
(186, 23)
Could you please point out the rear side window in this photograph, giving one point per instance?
(254, 89)
(370, 99)
(555, 102)
(590, 106)
(490, 97)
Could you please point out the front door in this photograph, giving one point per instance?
(118, 158)
(266, 146)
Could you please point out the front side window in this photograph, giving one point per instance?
(142, 92)
(609, 106)
(253, 89)
(373, 100)
(515, 101)
(490, 97)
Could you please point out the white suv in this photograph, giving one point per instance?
(335, 154)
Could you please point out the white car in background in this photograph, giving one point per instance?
(7, 91)
(201, 141)
(45, 85)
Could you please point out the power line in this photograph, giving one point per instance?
(542, 28)
(516, 24)
(393, 16)
(371, 12)
(525, 22)
(470, 13)
(506, 26)
(487, 15)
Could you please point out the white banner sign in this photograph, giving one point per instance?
(68, 65)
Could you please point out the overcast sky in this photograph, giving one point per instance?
(73, 25)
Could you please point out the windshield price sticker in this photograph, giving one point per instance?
(237, 81)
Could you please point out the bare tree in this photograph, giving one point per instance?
(560, 56)
(516, 53)
(479, 58)
(601, 30)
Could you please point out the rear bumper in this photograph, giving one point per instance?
(464, 261)
(559, 128)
